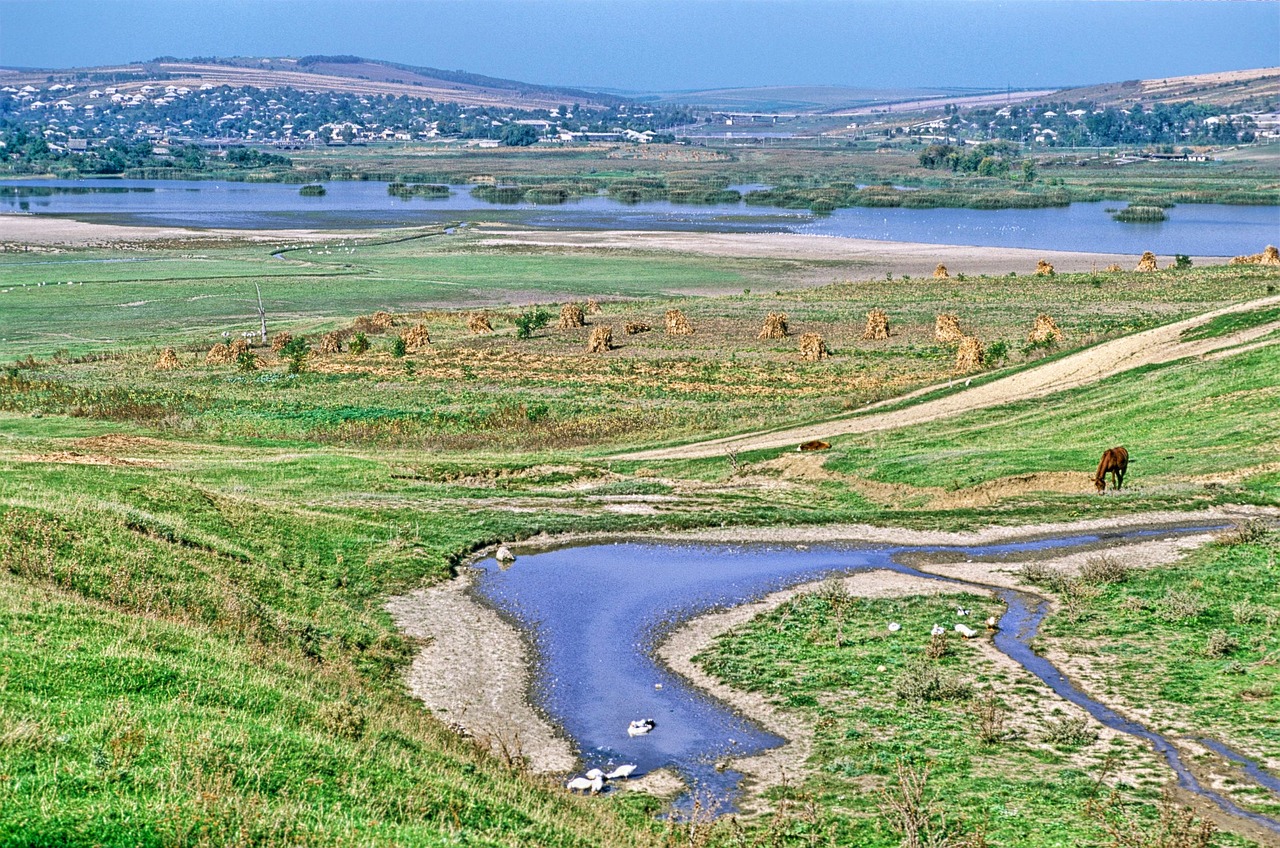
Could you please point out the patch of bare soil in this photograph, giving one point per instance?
(77, 458)
(473, 673)
(43, 231)
(808, 466)
(1160, 344)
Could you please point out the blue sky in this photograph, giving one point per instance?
(676, 44)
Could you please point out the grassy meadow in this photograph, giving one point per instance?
(193, 562)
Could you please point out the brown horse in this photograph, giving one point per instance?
(1115, 461)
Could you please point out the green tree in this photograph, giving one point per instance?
(1028, 170)
(296, 352)
(518, 135)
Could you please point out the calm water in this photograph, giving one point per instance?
(595, 615)
(1196, 229)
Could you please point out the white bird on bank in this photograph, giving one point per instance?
(966, 632)
(621, 772)
(894, 627)
(595, 774)
(504, 554)
(581, 784)
(937, 630)
(641, 726)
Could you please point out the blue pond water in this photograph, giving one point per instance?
(595, 615)
(1195, 229)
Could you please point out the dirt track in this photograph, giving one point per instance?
(1161, 344)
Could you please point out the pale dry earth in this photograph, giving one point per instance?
(1157, 345)
(872, 257)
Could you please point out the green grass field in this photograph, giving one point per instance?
(193, 562)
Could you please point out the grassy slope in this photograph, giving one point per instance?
(246, 554)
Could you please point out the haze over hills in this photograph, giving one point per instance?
(361, 76)
(343, 74)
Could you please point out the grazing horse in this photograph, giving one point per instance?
(1115, 461)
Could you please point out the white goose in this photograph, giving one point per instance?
(621, 772)
(641, 726)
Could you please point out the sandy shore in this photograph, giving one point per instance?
(866, 258)
(871, 258)
(49, 231)
(475, 671)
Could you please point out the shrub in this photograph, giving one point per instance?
(1179, 606)
(1104, 569)
(296, 353)
(342, 719)
(1220, 644)
(246, 361)
(359, 344)
(988, 719)
(530, 321)
(1181, 261)
(1070, 732)
(997, 352)
(399, 347)
(922, 681)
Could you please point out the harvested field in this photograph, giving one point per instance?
(946, 329)
(416, 337)
(877, 326)
(677, 324)
(1045, 329)
(633, 328)
(775, 326)
(571, 317)
(813, 348)
(969, 354)
(219, 354)
(168, 360)
(601, 339)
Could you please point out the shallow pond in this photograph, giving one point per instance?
(595, 616)
(1194, 229)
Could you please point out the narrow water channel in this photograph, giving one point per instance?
(596, 614)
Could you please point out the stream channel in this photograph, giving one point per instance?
(595, 616)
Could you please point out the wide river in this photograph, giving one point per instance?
(1194, 229)
(596, 614)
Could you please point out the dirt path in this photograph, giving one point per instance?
(1161, 344)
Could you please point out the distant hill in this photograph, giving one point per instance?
(798, 99)
(1247, 89)
(349, 74)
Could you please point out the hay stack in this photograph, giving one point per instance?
(238, 347)
(775, 326)
(1045, 328)
(946, 329)
(280, 339)
(593, 306)
(877, 325)
(168, 360)
(1147, 262)
(677, 324)
(633, 328)
(813, 348)
(601, 339)
(478, 322)
(331, 343)
(416, 337)
(940, 273)
(1044, 269)
(382, 321)
(1113, 268)
(571, 316)
(1269, 256)
(219, 354)
(969, 354)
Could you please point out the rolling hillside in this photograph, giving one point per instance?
(348, 74)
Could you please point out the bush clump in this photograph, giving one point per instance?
(922, 681)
